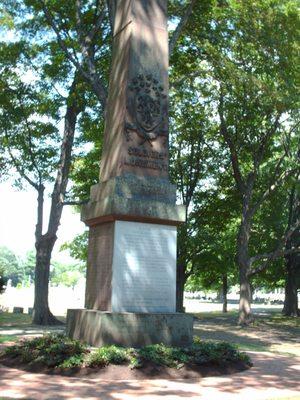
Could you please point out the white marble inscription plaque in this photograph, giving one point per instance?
(144, 268)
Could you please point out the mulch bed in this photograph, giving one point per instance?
(123, 372)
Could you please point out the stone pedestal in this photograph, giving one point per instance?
(135, 270)
(100, 328)
(131, 272)
(132, 245)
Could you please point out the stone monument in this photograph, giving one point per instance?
(132, 214)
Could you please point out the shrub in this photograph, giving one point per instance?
(108, 355)
(56, 350)
(163, 355)
(51, 350)
(72, 362)
(203, 352)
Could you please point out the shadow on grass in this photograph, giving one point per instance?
(269, 329)
(16, 326)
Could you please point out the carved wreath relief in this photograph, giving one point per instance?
(148, 109)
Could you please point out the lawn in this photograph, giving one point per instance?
(10, 319)
(270, 332)
(15, 326)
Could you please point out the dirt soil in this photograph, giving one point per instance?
(124, 372)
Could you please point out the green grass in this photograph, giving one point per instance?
(8, 338)
(10, 319)
(271, 331)
(277, 319)
(216, 314)
(272, 317)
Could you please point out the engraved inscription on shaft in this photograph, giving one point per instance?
(141, 157)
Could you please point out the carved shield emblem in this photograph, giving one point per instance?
(148, 113)
(146, 107)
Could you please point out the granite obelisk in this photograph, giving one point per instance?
(132, 213)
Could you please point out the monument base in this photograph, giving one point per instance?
(100, 328)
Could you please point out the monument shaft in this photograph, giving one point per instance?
(136, 133)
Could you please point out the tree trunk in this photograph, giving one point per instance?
(252, 289)
(290, 307)
(45, 243)
(243, 260)
(41, 311)
(42, 314)
(224, 292)
(180, 281)
(292, 279)
(245, 316)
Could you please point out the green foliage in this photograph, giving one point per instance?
(14, 320)
(53, 350)
(19, 271)
(108, 355)
(29, 134)
(3, 280)
(216, 352)
(254, 67)
(10, 265)
(78, 247)
(163, 355)
(66, 274)
(28, 266)
(72, 362)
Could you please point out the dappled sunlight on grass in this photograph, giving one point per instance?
(271, 331)
(16, 326)
(10, 319)
(7, 338)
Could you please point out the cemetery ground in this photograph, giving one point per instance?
(272, 343)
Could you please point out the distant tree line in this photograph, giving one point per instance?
(20, 272)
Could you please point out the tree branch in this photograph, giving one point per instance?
(181, 25)
(275, 183)
(233, 153)
(277, 253)
(20, 170)
(99, 17)
(88, 55)
(62, 45)
(262, 148)
(112, 6)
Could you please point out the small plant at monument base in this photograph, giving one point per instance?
(160, 354)
(108, 355)
(57, 351)
(51, 350)
(73, 362)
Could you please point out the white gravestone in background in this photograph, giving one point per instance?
(144, 268)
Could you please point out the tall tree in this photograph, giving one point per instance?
(252, 66)
(30, 146)
(35, 148)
